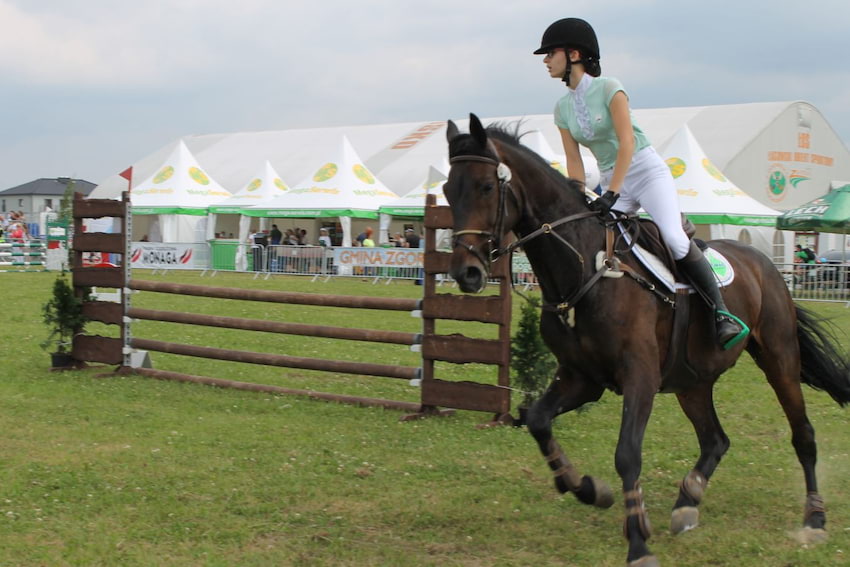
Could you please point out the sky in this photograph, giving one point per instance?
(88, 87)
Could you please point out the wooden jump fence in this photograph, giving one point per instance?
(435, 393)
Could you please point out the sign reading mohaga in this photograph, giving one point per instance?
(161, 256)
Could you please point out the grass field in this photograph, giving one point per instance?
(130, 471)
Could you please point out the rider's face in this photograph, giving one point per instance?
(556, 62)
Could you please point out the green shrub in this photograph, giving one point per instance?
(532, 363)
(63, 314)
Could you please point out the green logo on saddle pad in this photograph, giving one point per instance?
(721, 267)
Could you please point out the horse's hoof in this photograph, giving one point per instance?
(684, 519)
(604, 497)
(809, 536)
(645, 561)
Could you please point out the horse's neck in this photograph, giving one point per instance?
(559, 270)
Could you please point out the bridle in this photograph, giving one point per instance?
(494, 250)
(503, 174)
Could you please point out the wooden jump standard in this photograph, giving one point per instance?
(435, 393)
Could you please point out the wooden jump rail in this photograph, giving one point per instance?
(435, 393)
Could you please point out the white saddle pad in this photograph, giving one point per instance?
(723, 270)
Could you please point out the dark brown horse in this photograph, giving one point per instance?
(615, 333)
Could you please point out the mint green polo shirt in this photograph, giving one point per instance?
(597, 133)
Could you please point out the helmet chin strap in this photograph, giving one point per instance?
(566, 77)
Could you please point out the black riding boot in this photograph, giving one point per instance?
(697, 269)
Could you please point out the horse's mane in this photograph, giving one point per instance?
(510, 135)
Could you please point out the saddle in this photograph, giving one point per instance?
(649, 238)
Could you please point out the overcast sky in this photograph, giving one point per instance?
(91, 86)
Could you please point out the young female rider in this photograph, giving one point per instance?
(595, 113)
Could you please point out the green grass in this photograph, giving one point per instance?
(105, 470)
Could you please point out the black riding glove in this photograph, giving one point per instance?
(604, 203)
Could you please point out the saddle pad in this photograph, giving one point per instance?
(723, 270)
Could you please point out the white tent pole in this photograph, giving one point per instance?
(211, 218)
(384, 228)
(241, 249)
(345, 222)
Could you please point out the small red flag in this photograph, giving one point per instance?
(128, 175)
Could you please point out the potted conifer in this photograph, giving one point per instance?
(532, 363)
(63, 315)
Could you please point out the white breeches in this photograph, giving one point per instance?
(649, 185)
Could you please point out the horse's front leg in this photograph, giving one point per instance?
(638, 394)
(565, 394)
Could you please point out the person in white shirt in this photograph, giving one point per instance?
(595, 113)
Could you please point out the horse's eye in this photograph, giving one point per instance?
(486, 188)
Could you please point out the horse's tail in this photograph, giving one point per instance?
(822, 366)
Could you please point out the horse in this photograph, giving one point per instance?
(611, 333)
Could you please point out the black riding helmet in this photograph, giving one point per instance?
(570, 32)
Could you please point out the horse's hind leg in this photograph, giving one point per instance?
(783, 374)
(698, 405)
(563, 395)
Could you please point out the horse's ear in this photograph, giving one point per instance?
(452, 131)
(477, 130)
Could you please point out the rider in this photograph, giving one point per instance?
(595, 113)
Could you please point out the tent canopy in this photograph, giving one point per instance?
(706, 196)
(178, 186)
(341, 186)
(261, 188)
(830, 213)
(412, 204)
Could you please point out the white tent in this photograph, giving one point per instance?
(262, 188)
(707, 197)
(781, 153)
(342, 186)
(177, 196)
(412, 204)
(537, 142)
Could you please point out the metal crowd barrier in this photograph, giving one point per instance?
(817, 282)
(805, 282)
(380, 264)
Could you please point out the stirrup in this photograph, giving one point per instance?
(720, 314)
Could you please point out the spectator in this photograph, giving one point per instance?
(399, 241)
(289, 239)
(276, 235)
(806, 258)
(413, 239)
(324, 238)
(17, 233)
(302, 237)
(367, 241)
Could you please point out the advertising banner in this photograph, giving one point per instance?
(158, 255)
(380, 257)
